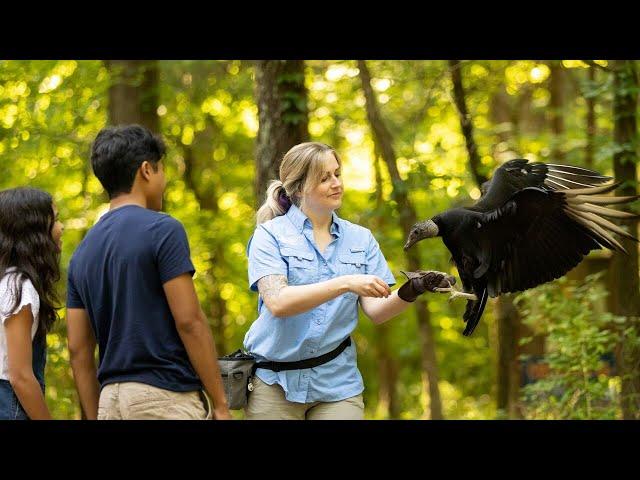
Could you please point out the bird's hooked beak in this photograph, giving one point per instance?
(420, 231)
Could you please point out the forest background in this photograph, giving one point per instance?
(416, 137)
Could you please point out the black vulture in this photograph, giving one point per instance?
(534, 223)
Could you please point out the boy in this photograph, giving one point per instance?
(130, 289)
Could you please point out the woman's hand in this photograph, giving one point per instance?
(368, 286)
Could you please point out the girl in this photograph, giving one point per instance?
(30, 244)
(312, 268)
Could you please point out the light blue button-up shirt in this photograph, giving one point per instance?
(285, 246)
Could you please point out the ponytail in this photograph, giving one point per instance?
(277, 202)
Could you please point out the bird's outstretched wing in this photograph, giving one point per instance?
(517, 174)
(538, 235)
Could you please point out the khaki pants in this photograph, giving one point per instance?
(139, 401)
(267, 402)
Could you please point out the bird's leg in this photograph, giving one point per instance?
(456, 293)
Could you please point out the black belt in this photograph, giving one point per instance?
(308, 363)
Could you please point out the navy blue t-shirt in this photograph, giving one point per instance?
(116, 274)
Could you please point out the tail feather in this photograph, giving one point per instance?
(592, 190)
(565, 177)
(586, 209)
(474, 312)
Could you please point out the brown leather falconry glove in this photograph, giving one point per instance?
(423, 281)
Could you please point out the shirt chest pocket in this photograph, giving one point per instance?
(353, 262)
(302, 265)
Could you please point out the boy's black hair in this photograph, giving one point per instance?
(118, 152)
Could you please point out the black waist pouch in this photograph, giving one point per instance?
(237, 370)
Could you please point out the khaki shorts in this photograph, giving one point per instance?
(139, 401)
(267, 402)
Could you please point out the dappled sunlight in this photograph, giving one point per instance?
(50, 83)
(15, 90)
(8, 115)
(250, 119)
(228, 201)
(336, 72)
(539, 73)
(381, 84)
(100, 211)
(461, 407)
(579, 63)
(357, 171)
(355, 137)
(51, 111)
(423, 147)
(187, 135)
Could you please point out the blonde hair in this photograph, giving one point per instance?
(301, 170)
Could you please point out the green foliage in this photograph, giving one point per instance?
(579, 334)
(50, 111)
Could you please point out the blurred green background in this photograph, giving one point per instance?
(567, 349)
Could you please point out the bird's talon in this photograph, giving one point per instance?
(456, 293)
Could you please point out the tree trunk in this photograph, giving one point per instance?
(556, 90)
(406, 218)
(624, 268)
(133, 94)
(281, 96)
(509, 325)
(507, 317)
(465, 121)
(388, 404)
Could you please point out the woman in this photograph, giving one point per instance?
(30, 243)
(312, 268)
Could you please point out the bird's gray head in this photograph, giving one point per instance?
(420, 231)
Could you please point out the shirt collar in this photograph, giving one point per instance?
(298, 218)
(336, 225)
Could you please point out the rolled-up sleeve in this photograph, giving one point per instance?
(377, 264)
(264, 257)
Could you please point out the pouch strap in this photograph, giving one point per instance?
(308, 363)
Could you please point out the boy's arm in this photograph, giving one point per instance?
(194, 331)
(82, 346)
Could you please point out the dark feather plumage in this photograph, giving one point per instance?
(533, 223)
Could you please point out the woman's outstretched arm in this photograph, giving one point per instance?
(284, 300)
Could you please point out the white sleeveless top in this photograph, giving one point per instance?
(29, 297)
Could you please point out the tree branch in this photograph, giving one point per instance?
(422, 112)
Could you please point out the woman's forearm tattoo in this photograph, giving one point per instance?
(270, 286)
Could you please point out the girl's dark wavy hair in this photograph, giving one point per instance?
(26, 221)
